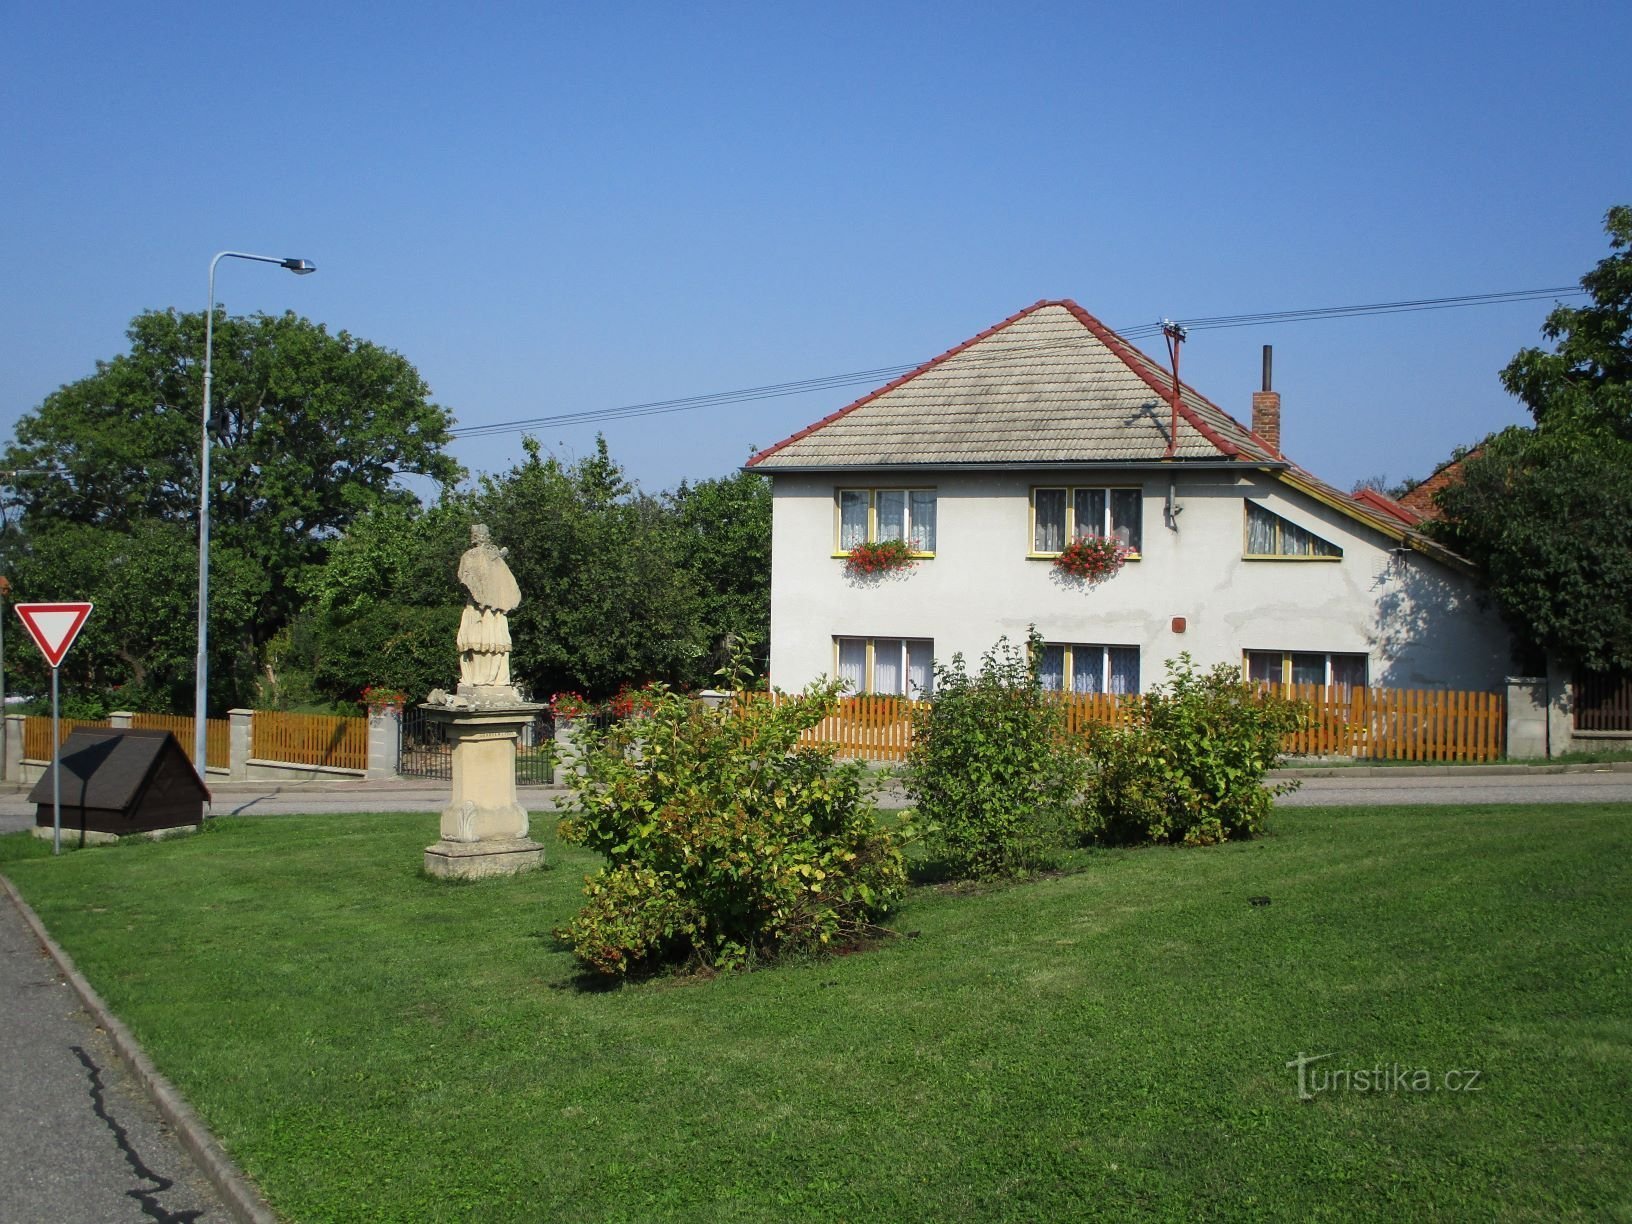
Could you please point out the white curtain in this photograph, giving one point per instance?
(852, 518)
(1087, 669)
(853, 664)
(1050, 533)
(1124, 662)
(1051, 671)
(1090, 512)
(920, 669)
(1126, 515)
(892, 514)
(923, 520)
(887, 677)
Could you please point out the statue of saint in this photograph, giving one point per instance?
(484, 633)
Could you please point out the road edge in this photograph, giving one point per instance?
(236, 1190)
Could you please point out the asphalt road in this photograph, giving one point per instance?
(1352, 787)
(82, 1142)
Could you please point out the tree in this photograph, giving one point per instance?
(605, 597)
(725, 544)
(136, 651)
(382, 610)
(1546, 511)
(310, 428)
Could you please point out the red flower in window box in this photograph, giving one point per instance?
(1092, 558)
(885, 557)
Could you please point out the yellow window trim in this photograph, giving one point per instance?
(1070, 514)
(1284, 557)
(1246, 537)
(872, 512)
(1037, 556)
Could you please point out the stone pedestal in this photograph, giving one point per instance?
(484, 828)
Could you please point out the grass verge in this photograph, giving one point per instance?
(371, 1044)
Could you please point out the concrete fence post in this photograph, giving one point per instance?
(384, 741)
(14, 747)
(1527, 716)
(121, 720)
(566, 752)
(240, 740)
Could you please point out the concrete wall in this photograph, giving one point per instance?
(1418, 622)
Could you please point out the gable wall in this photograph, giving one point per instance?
(1417, 621)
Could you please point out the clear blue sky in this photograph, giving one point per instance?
(553, 208)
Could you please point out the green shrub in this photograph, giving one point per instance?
(995, 778)
(1189, 764)
(726, 841)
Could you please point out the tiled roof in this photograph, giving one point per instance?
(1388, 505)
(1051, 384)
(1421, 498)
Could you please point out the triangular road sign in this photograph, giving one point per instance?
(53, 626)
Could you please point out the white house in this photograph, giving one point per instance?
(1049, 425)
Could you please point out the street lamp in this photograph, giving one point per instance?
(299, 267)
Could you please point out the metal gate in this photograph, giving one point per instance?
(424, 750)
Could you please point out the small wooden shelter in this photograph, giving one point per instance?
(119, 781)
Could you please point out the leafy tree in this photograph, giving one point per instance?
(383, 609)
(137, 651)
(310, 427)
(605, 597)
(725, 544)
(1545, 510)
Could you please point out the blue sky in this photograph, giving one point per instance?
(554, 209)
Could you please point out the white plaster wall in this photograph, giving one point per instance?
(1419, 622)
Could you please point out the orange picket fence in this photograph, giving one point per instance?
(874, 727)
(37, 734)
(217, 735)
(1370, 724)
(1400, 724)
(309, 739)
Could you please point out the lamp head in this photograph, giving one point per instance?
(300, 267)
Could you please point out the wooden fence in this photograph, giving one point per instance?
(217, 735)
(1369, 724)
(309, 739)
(1401, 724)
(37, 734)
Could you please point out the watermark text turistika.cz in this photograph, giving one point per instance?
(1314, 1078)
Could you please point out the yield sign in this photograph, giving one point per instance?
(53, 626)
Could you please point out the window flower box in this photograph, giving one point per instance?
(1092, 558)
(884, 557)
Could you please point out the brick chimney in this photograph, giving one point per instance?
(1266, 407)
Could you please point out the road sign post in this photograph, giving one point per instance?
(54, 626)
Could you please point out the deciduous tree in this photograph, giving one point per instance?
(1547, 511)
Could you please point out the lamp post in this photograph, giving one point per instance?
(299, 267)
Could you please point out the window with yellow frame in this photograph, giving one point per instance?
(1060, 513)
(1271, 537)
(871, 516)
(1286, 667)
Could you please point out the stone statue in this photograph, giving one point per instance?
(484, 631)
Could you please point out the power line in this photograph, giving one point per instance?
(882, 374)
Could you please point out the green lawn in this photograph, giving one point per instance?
(373, 1045)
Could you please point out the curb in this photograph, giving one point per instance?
(236, 1190)
(1286, 773)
